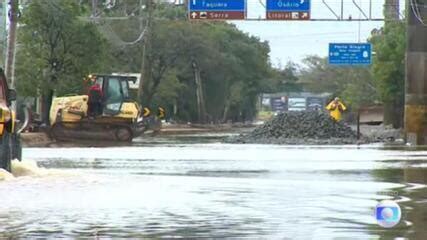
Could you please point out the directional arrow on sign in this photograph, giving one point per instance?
(288, 5)
(217, 9)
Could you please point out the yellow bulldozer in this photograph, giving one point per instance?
(10, 141)
(107, 112)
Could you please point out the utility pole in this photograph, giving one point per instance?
(201, 108)
(392, 10)
(3, 34)
(416, 73)
(146, 64)
(393, 108)
(94, 8)
(11, 42)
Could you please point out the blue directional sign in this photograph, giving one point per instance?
(288, 10)
(350, 53)
(217, 5)
(288, 5)
(217, 9)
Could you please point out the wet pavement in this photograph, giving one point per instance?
(173, 187)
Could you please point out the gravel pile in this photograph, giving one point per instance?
(299, 128)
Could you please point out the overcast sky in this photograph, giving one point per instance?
(295, 40)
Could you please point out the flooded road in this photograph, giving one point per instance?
(173, 187)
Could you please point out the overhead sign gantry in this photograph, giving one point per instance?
(289, 10)
(283, 10)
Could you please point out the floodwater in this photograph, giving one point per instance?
(173, 187)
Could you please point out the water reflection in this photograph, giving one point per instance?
(215, 190)
(416, 208)
(412, 199)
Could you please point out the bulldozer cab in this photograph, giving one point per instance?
(115, 91)
(106, 112)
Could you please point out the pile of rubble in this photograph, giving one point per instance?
(300, 128)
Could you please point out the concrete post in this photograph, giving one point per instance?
(146, 64)
(416, 74)
(11, 43)
(3, 33)
(391, 9)
(94, 8)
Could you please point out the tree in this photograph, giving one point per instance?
(354, 84)
(319, 76)
(232, 66)
(164, 52)
(189, 62)
(57, 50)
(388, 69)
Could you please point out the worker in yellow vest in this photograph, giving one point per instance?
(335, 108)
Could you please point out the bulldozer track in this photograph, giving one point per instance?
(64, 131)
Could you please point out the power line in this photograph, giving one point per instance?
(111, 34)
(108, 30)
(416, 11)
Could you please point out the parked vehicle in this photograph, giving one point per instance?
(10, 146)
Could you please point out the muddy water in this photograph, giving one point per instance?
(177, 188)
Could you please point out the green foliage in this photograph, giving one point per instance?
(169, 89)
(354, 84)
(359, 86)
(360, 89)
(389, 67)
(56, 49)
(286, 79)
(319, 76)
(232, 65)
(290, 79)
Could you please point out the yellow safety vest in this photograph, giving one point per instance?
(335, 109)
